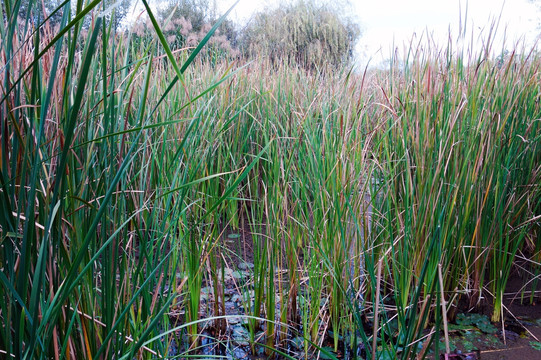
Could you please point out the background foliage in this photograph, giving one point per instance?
(307, 33)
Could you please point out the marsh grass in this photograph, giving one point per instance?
(122, 162)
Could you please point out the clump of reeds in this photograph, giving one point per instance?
(122, 168)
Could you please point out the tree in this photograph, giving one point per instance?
(116, 11)
(305, 32)
(537, 4)
(112, 10)
(186, 22)
(36, 10)
(197, 12)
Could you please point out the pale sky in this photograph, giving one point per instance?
(388, 22)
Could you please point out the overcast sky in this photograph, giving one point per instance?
(388, 22)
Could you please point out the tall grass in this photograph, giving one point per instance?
(458, 161)
(92, 211)
(124, 163)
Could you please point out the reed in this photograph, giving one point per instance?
(123, 163)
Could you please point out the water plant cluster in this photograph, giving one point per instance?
(377, 204)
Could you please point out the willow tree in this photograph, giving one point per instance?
(305, 32)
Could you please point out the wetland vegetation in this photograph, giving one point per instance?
(164, 202)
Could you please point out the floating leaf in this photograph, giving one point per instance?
(385, 354)
(457, 327)
(327, 353)
(480, 321)
(245, 266)
(298, 342)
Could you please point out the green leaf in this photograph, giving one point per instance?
(327, 353)
(385, 354)
(480, 321)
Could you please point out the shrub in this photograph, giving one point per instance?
(186, 22)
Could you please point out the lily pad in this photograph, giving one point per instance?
(227, 273)
(245, 266)
(460, 328)
(240, 335)
(327, 353)
(298, 342)
(385, 354)
(206, 293)
(480, 321)
(233, 320)
(236, 298)
(238, 274)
